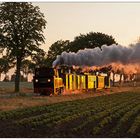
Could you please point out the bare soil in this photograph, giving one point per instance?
(28, 99)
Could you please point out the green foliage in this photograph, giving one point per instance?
(25, 67)
(56, 49)
(21, 28)
(90, 40)
(126, 119)
(135, 128)
(106, 116)
(39, 59)
(5, 64)
(21, 32)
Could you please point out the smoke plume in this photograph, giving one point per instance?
(99, 57)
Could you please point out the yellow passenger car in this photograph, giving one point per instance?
(100, 82)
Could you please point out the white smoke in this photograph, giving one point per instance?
(98, 57)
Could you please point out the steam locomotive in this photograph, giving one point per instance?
(54, 80)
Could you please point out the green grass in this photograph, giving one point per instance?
(8, 87)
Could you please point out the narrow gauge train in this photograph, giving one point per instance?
(53, 81)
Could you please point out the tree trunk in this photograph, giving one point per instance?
(113, 78)
(5, 80)
(27, 77)
(17, 78)
(121, 79)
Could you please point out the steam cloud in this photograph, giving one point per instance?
(98, 57)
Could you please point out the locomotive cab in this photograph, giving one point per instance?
(47, 81)
(44, 80)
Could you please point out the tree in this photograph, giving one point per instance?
(6, 78)
(31, 67)
(91, 40)
(40, 58)
(56, 49)
(37, 60)
(5, 65)
(121, 73)
(21, 32)
(25, 68)
(113, 79)
(2, 63)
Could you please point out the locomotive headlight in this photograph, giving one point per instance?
(36, 80)
(49, 80)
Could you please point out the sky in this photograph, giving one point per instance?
(68, 20)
